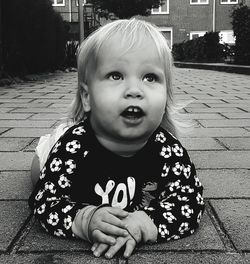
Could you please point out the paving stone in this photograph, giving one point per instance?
(2, 130)
(226, 123)
(214, 110)
(207, 116)
(8, 116)
(11, 100)
(24, 105)
(39, 241)
(221, 159)
(15, 185)
(59, 258)
(26, 132)
(234, 214)
(32, 146)
(233, 183)
(39, 110)
(237, 115)
(218, 132)
(12, 217)
(187, 258)
(16, 161)
(26, 123)
(205, 238)
(14, 144)
(201, 144)
(46, 116)
(236, 143)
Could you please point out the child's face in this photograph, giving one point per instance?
(127, 92)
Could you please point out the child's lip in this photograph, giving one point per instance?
(133, 111)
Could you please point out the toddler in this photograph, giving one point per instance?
(118, 176)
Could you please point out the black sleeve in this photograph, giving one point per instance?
(51, 199)
(178, 207)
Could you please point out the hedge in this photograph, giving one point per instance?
(34, 37)
(202, 49)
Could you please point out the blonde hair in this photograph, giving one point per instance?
(131, 31)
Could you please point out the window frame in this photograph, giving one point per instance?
(159, 12)
(191, 33)
(229, 2)
(199, 3)
(168, 29)
(54, 3)
(84, 2)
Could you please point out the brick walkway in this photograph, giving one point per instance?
(219, 146)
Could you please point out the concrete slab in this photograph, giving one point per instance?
(14, 144)
(39, 110)
(12, 161)
(26, 132)
(12, 217)
(201, 144)
(187, 258)
(8, 116)
(214, 110)
(226, 123)
(205, 238)
(221, 159)
(237, 143)
(234, 215)
(59, 258)
(232, 183)
(39, 241)
(26, 123)
(218, 132)
(15, 185)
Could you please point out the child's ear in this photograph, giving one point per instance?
(85, 97)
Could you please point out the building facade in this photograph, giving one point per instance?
(179, 20)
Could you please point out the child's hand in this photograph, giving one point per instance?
(141, 227)
(128, 241)
(106, 223)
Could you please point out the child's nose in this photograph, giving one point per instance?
(134, 89)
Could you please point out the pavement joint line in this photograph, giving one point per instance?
(221, 230)
(221, 144)
(22, 232)
(7, 129)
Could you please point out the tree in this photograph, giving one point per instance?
(241, 28)
(125, 8)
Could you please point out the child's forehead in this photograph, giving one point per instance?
(126, 43)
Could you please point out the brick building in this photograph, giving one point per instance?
(179, 20)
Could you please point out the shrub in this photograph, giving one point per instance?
(202, 49)
(241, 28)
(34, 36)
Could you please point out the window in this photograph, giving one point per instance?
(199, 2)
(58, 2)
(164, 9)
(197, 34)
(229, 2)
(227, 36)
(168, 34)
(83, 2)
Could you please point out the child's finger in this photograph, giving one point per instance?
(100, 237)
(130, 245)
(100, 249)
(115, 248)
(113, 230)
(114, 220)
(118, 212)
(94, 246)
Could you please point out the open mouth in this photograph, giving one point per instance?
(133, 112)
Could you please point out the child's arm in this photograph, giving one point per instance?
(177, 210)
(51, 199)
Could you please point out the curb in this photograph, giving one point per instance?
(215, 67)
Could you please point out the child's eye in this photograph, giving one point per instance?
(150, 77)
(115, 76)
